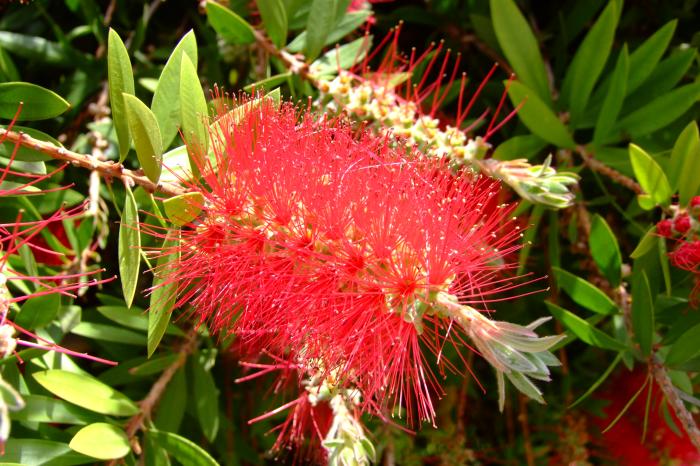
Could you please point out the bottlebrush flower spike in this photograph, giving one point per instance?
(331, 248)
(393, 103)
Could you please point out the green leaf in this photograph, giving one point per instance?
(274, 16)
(583, 330)
(163, 296)
(166, 98)
(193, 106)
(38, 49)
(642, 312)
(661, 111)
(184, 208)
(319, 26)
(182, 449)
(685, 348)
(176, 164)
(588, 63)
(344, 57)
(614, 98)
(268, 83)
(40, 408)
(664, 77)
(37, 452)
(584, 293)
(87, 392)
(519, 147)
(25, 153)
(645, 57)
(647, 242)
(207, 397)
(8, 70)
(129, 247)
(103, 332)
(102, 441)
(121, 81)
(147, 140)
(650, 175)
(684, 166)
(349, 23)
(537, 116)
(605, 251)
(170, 413)
(520, 48)
(598, 382)
(39, 311)
(38, 103)
(229, 25)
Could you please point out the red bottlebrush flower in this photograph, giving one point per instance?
(664, 228)
(695, 207)
(624, 442)
(686, 256)
(325, 242)
(681, 224)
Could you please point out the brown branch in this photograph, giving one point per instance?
(106, 168)
(292, 62)
(148, 404)
(597, 166)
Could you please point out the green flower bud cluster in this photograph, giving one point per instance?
(539, 184)
(346, 442)
(514, 351)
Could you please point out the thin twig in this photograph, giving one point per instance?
(596, 165)
(106, 168)
(292, 62)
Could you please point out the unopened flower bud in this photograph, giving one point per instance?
(681, 224)
(664, 228)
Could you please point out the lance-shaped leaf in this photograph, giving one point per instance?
(102, 441)
(229, 25)
(684, 166)
(182, 449)
(274, 16)
(121, 81)
(605, 250)
(147, 140)
(650, 176)
(38, 103)
(193, 107)
(584, 330)
(166, 98)
(613, 99)
(584, 293)
(162, 298)
(129, 247)
(642, 311)
(320, 24)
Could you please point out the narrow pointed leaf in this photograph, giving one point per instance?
(207, 397)
(274, 16)
(584, 293)
(193, 106)
(685, 348)
(147, 140)
(121, 80)
(520, 47)
(614, 98)
(684, 166)
(166, 98)
(582, 329)
(645, 57)
(642, 312)
(229, 25)
(537, 116)
(162, 299)
(319, 26)
(605, 250)
(650, 175)
(38, 103)
(129, 247)
(182, 449)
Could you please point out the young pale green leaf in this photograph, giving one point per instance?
(588, 63)
(268, 83)
(176, 165)
(584, 293)
(162, 298)
(102, 441)
(121, 80)
(605, 250)
(37, 102)
(146, 134)
(319, 26)
(584, 330)
(193, 106)
(685, 348)
(129, 247)
(207, 397)
(27, 154)
(650, 175)
(39, 311)
(645, 57)
(684, 166)
(229, 25)
(520, 48)
(166, 98)
(538, 117)
(645, 244)
(87, 392)
(613, 99)
(182, 449)
(661, 111)
(642, 312)
(184, 208)
(344, 57)
(519, 147)
(274, 16)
